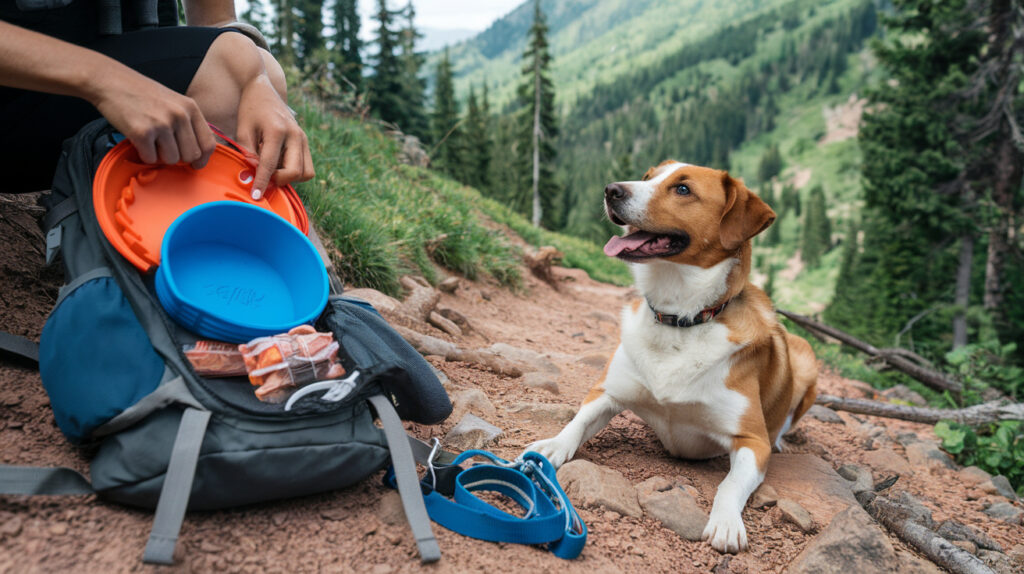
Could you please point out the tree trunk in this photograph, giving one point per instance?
(963, 290)
(973, 416)
(537, 212)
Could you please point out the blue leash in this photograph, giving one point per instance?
(530, 481)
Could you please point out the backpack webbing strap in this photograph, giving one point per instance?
(51, 225)
(39, 480)
(181, 470)
(408, 480)
(19, 347)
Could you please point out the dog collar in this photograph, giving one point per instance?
(677, 321)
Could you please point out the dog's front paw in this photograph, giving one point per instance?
(725, 532)
(554, 449)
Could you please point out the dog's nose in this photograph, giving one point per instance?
(616, 192)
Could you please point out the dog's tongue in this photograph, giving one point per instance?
(641, 242)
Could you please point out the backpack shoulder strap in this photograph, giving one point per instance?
(19, 347)
(39, 480)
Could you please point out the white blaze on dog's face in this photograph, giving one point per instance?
(685, 214)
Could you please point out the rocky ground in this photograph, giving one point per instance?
(642, 507)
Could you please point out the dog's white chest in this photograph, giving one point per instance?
(680, 378)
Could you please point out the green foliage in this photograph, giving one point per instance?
(479, 144)
(988, 365)
(771, 164)
(385, 89)
(998, 450)
(348, 67)
(385, 219)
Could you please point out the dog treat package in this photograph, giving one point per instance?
(280, 364)
(216, 359)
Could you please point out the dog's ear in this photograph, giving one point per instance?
(745, 215)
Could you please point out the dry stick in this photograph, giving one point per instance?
(973, 416)
(927, 376)
(934, 547)
(427, 345)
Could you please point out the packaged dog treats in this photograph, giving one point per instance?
(282, 363)
(216, 359)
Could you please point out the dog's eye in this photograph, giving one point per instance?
(682, 189)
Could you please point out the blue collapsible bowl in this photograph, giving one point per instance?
(233, 272)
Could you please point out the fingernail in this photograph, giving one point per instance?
(256, 194)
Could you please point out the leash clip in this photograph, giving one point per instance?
(435, 449)
(337, 389)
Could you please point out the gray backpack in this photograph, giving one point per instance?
(111, 362)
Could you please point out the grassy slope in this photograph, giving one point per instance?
(386, 219)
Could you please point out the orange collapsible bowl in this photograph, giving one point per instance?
(135, 203)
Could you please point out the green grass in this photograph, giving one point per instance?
(385, 219)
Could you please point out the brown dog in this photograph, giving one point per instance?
(703, 360)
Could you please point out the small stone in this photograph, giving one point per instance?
(636, 533)
(927, 455)
(472, 401)
(612, 516)
(824, 414)
(1001, 563)
(58, 529)
(471, 432)
(382, 569)
(915, 509)
(541, 380)
(594, 360)
(595, 485)
(966, 545)
(1006, 512)
(1002, 486)
(677, 511)
(11, 526)
(972, 475)
(764, 496)
(334, 514)
(527, 359)
(793, 512)
(1017, 554)
(545, 413)
(279, 518)
(449, 285)
(859, 476)
(903, 394)
(15, 424)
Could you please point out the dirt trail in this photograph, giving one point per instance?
(360, 530)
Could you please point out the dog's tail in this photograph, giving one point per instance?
(805, 373)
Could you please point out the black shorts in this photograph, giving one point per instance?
(33, 125)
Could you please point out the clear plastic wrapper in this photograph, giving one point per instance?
(280, 364)
(215, 359)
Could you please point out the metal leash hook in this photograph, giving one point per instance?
(337, 389)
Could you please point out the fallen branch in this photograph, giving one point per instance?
(933, 379)
(897, 519)
(973, 416)
(427, 345)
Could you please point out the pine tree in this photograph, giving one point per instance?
(384, 87)
(447, 156)
(478, 143)
(539, 125)
(348, 70)
(911, 163)
(817, 230)
(285, 27)
(770, 165)
(309, 27)
(413, 86)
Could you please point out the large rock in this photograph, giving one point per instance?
(859, 477)
(589, 485)
(796, 514)
(852, 542)
(471, 432)
(886, 461)
(811, 482)
(673, 507)
(903, 394)
(998, 485)
(953, 531)
(971, 475)
(541, 380)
